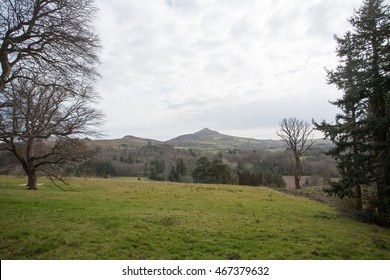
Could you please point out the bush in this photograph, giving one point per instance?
(213, 172)
(347, 207)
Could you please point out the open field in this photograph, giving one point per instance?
(130, 219)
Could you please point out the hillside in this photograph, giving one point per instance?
(126, 143)
(210, 139)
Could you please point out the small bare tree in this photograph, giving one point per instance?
(42, 126)
(295, 133)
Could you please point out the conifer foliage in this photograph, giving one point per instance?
(361, 132)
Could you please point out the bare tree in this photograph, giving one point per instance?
(295, 133)
(53, 38)
(48, 55)
(42, 125)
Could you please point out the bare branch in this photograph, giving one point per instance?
(52, 35)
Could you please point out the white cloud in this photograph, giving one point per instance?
(175, 66)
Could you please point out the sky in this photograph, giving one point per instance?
(172, 67)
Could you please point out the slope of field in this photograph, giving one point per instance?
(127, 219)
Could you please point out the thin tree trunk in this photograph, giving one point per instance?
(297, 173)
(359, 202)
(358, 189)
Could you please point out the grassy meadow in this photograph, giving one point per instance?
(130, 219)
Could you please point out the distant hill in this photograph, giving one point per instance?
(126, 143)
(210, 139)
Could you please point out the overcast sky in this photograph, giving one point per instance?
(171, 67)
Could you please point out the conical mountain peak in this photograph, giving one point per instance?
(206, 131)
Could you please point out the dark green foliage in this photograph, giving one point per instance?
(102, 168)
(178, 171)
(361, 132)
(213, 172)
(157, 168)
(201, 171)
(129, 159)
(258, 176)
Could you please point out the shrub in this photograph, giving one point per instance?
(213, 172)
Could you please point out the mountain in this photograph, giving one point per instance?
(210, 139)
(197, 137)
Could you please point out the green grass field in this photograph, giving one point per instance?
(130, 219)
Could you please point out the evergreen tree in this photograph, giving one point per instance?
(361, 132)
(214, 172)
(349, 132)
(257, 175)
(178, 171)
(201, 171)
(157, 168)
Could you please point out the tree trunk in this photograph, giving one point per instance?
(359, 202)
(296, 178)
(32, 180)
(297, 173)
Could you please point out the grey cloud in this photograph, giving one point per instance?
(235, 114)
(181, 65)
(282, 23)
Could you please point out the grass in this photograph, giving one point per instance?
(130, 219)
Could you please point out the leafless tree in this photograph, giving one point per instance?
(48, 58)
(53, 38)
(296, 134)
(42, 126)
